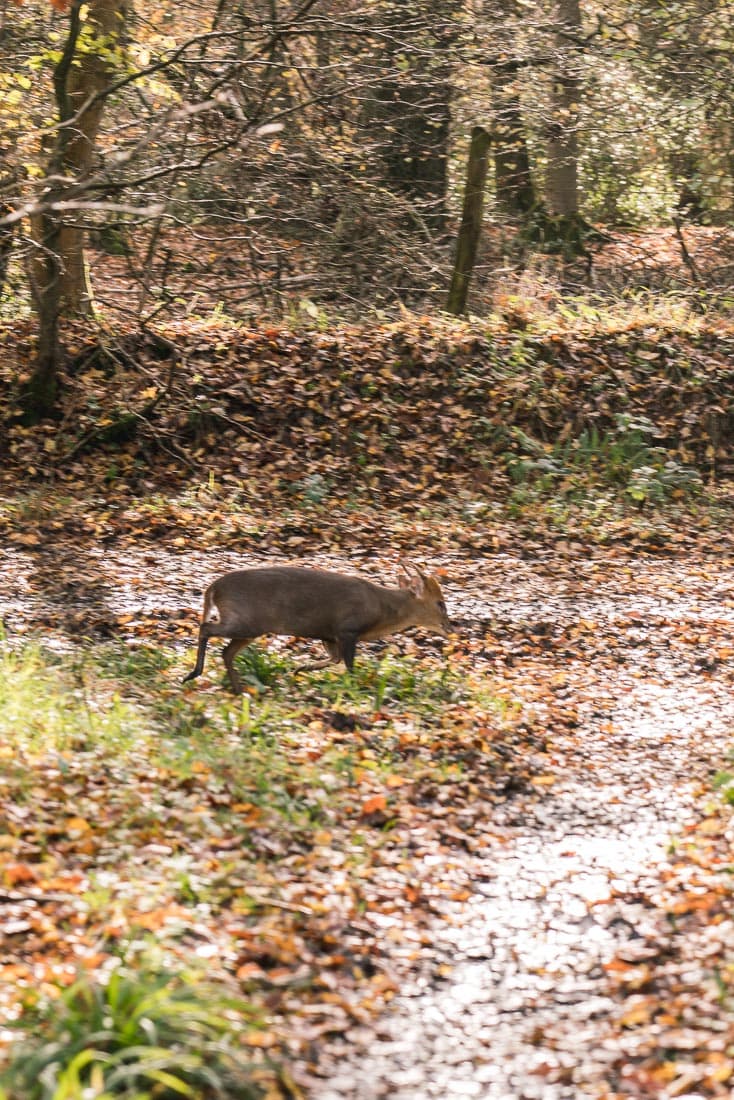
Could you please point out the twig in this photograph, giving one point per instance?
(685, 254)
(274, 903)
(34, 899)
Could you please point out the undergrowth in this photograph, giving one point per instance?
(624, 459)
(147, 813)
(138, 1034)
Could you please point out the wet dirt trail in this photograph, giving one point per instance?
(566, 976)
(584, 963)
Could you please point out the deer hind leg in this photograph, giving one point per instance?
(229, 653)
(207, 630)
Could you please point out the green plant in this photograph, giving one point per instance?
(724, 782)
(140, 664)
(623, 458)
(656, 484)
(314, 488)
(140, 1034)
(261, 667)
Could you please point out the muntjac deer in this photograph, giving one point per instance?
(339, 610)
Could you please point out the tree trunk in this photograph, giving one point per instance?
(513, 178)
(57, 271)
(408, 112)
(562, 146)
(88, 79)
(471, 221)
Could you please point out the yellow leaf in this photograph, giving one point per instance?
(636, 1015)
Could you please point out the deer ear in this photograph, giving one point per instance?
(411, 578)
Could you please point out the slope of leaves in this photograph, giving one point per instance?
(340, 409)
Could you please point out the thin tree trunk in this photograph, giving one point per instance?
(471, 221)
(563, 148)
(513, 178)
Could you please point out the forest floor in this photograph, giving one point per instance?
(495, 867)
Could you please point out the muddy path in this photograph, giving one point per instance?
(581, 964)
(572, 971)
(525, 1008)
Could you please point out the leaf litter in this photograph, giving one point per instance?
(498, 867)
(541, 895)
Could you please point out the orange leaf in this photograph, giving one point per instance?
(18, 873)
(72, 881)
(638, 1014)
(373, 805)
(249, 971)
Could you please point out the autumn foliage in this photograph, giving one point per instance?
(395, 408)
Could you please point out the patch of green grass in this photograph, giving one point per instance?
(44, 707)
(136, 1035)
(145, 761)
(140, 664)
(114, 703)
(387, 682)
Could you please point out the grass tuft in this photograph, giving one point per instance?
(137, 1035)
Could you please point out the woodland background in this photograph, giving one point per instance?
(330, 282)
(286, 160)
